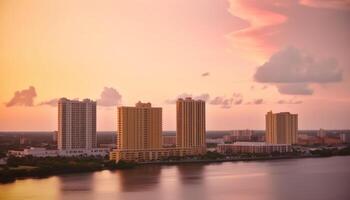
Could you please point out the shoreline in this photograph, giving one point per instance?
(177, 162)
(230, 160)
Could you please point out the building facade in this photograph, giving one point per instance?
(76, 124)
(281, 128)
(190, 125)
(345, 137)
(43, 152)
(146, 155)
(253, 147)
(139, 127)
(169, 140)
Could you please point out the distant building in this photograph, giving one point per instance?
(281, 128)
(345, 138)
(76, 124)
(43, 152)
(55, 136)
(303, 136)
(328, 140)
(252, 147)
(321, 133)
(169, 141)
(190, 124)
(24, 140)
(139, 127)
(214, 140)
(239, 135)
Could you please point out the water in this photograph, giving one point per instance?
(314, 178)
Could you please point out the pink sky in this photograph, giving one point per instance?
(243, 57)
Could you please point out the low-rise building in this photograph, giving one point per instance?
(253, 147)
(169, 140)
(328, 140)
(43, 152)
(144, 155)
(345, 138)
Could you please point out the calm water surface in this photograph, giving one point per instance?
(317, 178)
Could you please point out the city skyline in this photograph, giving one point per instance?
(226, 52)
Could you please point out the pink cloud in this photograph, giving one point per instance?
(333, 4)
(263, 24)
(23, 97)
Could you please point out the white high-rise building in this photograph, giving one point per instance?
(76, 124)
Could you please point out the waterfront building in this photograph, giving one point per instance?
(253, 147)
(139, 127)
(43, 152)
(145, 155)
(76, 124)
(281, 128)
(190, 124)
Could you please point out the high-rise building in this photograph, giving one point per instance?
(190, 126)
(281, 128)
(139, 127)
(76, 124)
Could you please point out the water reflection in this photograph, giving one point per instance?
(191, 173)
(143, 178)
(74, 183)
(321, 179)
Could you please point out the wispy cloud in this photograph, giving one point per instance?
(204, 97)
(290, 101)
(205, 74)
(256, 102)
(23, 97)
(224, 102)
(51, 102)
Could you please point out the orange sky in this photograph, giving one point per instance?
(158, 50)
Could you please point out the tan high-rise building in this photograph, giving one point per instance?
(139, 127)
(281, 128)
(190, 126)
(76, 124)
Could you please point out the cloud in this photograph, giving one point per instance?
(292, 71)
(291, 101)
(262, 21)
(206, 74)
(204, 97)
(52, 102)
(255, 102)
(295, 89)
(333, 4)
(235, 99)
(182, 96)
(258, 101)
(109, 97)
(23, 98)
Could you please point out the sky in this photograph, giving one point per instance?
(243, 57)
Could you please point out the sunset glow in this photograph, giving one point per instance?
(226, 52)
